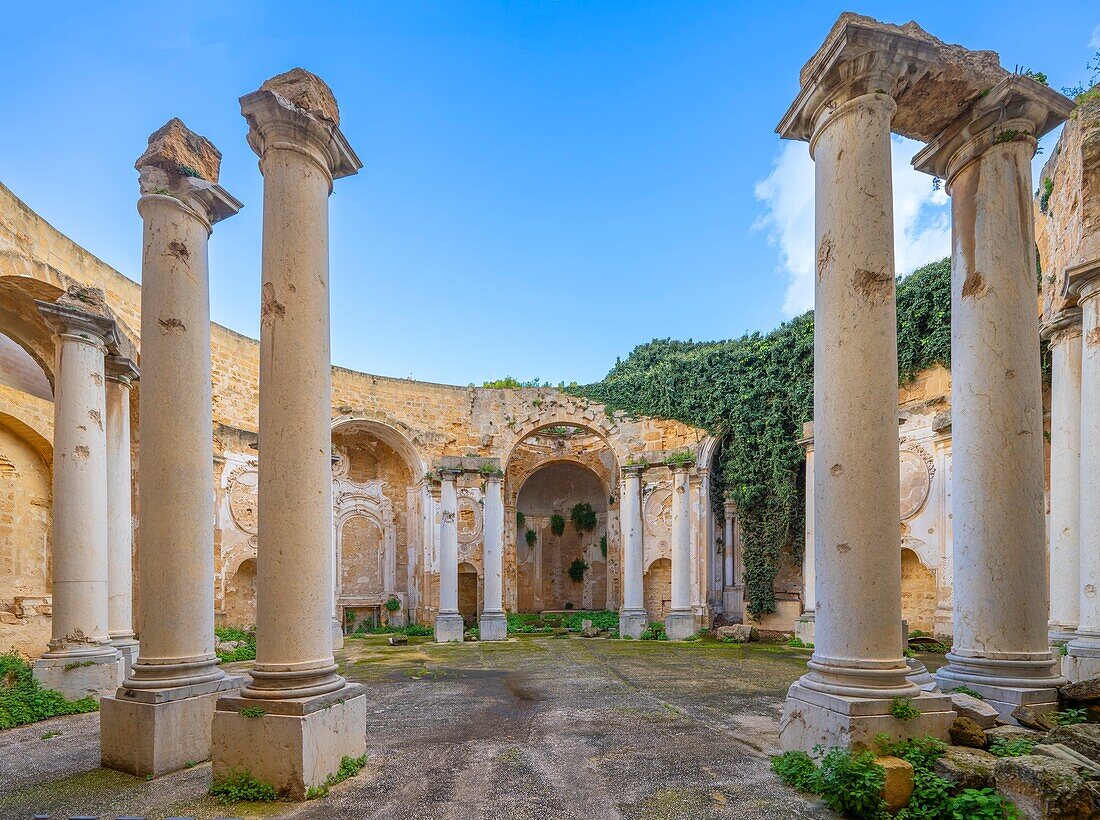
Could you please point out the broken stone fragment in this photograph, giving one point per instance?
(898, 787)
(977, 710)
(736, 633)
(399, 640)
(1011, 733)
(1083, 738)
(306, 91)
(1031, 719)
(1084, 692)
(1060, 751)
(85, 299)
(965, 732)
(966, 768)
(177, 151)
(1043, 787)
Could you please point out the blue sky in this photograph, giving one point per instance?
(546, 184)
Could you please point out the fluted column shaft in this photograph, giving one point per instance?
(120, 527)
(857, 556)
(1064, 334)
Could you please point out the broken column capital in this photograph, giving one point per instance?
(297, 111)
(82, 325)
(1018, 108)
(1083, 280)
(121, 369)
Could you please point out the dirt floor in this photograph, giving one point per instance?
(536, 727)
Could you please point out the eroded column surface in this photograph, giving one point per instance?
(159, 720)
(312, 716)
(80, 659)
(492, 625)
(1084, 649)
(680, 622)
(1000, 646)
(1064, 335)
(120, 372)
(632, 616)
(806, 622)
(857, 669)
(730, 509)
(448, 621)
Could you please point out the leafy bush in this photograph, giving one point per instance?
(797, 770)
(931, 798)
(23, 699)
(240, 785)
(903, 709)
(1002, 747)
(920, 752)
(654, 632)
(393, 604)
(246, 643)
(557, 524)
(852, 784)
(531, 537)
(583, 517)
(576, 570)
(1069, 717)
(981, 804)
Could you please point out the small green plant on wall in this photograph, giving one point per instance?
(557, 524)
(583, 517)
(521, 520)
(393, 603)
(603, 545)
(577, 569)
(531, 537)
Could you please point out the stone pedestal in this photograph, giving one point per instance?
(448, 621)
(1000, 644)
(120, 372)
(294, 744)
(680, 621)
(149, 726)
(633, 618)
(804, 627)
(80, 660)
(1063, 332)
(1083, 661)
(492, 625)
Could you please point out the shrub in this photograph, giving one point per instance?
(393, 604)
(240, 785)
(557, 524)
(654, 632)
(797, 770)
(576, 570)
(852, 784)
(583, 517)
(981, 804)
(1069, 717)
(531, 537)
(603, 545)
(23, 699)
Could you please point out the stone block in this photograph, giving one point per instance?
(1059, 751)
(1042, 787)
(804, 627)
(1081, 693)
(78, 677)
(1032, 719)
(965, 732)
(679, 626)
(449, 628)
(811, 717)
(977, 710)
(294, 744)
(898, 787)
(736, 633)
(633, 624)
(1012, 732)
(492, 627)
(1083, 738)
(966, 768)
(143, 738)
(128, 651)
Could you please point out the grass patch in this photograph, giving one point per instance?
(246, 643)
(239, 785)
(349, 767)
(23, 699)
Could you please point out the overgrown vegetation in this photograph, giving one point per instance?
(349, 767)
(521, 520)
(531, 537)
(1003, 747)
(903, 709)
(23, 700)
(545, 624)
(963, 689)
(393, 604)
(412, 630)
(246, 643)
(654, 632)
(583, 518)
(756, 391)
(577, 570)
(239, 785)
(852, 783)
(557, 524)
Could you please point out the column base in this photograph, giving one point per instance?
(291, 745)
(633, 622)
(804, 627)
(919, 674)
(449, 627)
(337, 635)
(128, 649)
(492, 626)
(1031, 683)
(680, 625)
(79, 676)
(151, 732)
(1083, 657)
(811, 718)
(1060, 634)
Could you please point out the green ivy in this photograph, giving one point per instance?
(755, 392)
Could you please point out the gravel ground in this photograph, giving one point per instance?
(536, 728)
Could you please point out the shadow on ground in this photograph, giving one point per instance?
(536, 728)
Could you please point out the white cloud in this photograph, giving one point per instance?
(1095, 41)
(922, 224)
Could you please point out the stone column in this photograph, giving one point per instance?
(1000, 644)
(448, 621)
(492, 625)
(680, 622)
(313, 716)
(1064, 334)
(857, 668)
(80, 659)
(632, 617)
(804, 625)
(730, 509)
(120, 372)
(1084, 649)
(159, 720)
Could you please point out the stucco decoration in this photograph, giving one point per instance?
(242, 484)
(658, 512)
(917, 470)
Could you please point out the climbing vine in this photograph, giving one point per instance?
(756, 392)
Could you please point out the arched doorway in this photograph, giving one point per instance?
(657, 588)
(468, 592)
(562, 552)
(240, 596)
(918, 592)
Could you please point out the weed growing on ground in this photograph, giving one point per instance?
(240, 785)
(349, 767)
(654, 632)
(982, 804)
(1069, 717)
(246, 643)
(23, 699)
(1002, 747)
